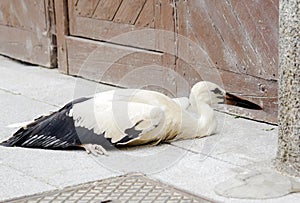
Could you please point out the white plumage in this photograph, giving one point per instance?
(127, 117)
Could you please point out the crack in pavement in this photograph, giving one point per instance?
(28, 97)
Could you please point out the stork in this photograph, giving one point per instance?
(127, 117)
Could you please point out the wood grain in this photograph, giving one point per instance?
(147, 16)
(129, 11)
(27, 31)
(261, 26)
(127, 67)
(61, 17)
(165, 15)
(28, 14)
(124, 34)
(232, 43)
(86, 8)
(25, 46)
(238, 36)
(107, 9)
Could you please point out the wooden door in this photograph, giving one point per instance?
(118, 42)
(169, 45)
(232, 43)
(27, 31)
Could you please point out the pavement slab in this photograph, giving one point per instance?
(55, 167)
(16, 108)
(200, 175)
(15, 184)
(238, 141)
(196, 166)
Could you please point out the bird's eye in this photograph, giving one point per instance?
(217, 91)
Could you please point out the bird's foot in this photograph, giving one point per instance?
(94, 149)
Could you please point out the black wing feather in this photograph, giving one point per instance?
(54, 131)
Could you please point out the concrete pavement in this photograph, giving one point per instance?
(197, 166)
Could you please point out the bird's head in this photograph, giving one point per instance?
(210, 93)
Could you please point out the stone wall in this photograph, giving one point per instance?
(288, 156)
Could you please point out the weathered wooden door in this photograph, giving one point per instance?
(171, 44)
(233, 43)
(116, 42)
(27, 31)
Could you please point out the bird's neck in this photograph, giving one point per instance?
(206, 120)
(197, 105)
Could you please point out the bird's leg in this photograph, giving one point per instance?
(94, 149)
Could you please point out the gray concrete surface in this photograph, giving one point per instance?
(196, 166)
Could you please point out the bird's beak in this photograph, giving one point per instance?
(231, 99)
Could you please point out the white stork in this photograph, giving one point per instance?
(127, 117)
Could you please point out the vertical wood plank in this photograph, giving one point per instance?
(164, 15)
(61, 17)
(51, 27)
(51, 31)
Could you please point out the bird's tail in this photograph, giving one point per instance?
(32, 130)
(22, 134)
(15, 139)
